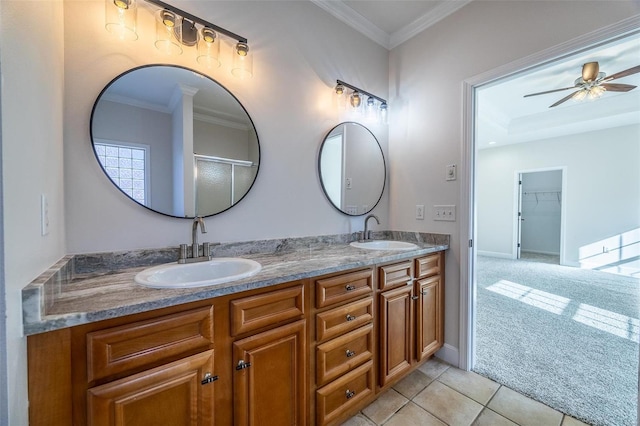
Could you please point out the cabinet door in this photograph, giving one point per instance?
(270, 379)
(173, 394)
(396, 329)
(429, 321)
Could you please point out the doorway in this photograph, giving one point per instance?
(559, 307)
(539, 233)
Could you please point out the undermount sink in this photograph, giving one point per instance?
(215, 271)
(384, 245)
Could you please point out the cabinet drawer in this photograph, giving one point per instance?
(342, 319)
(341, 395)
(396, 275)
(135, 345)
(428, 266)
(255, 312)
(343, 353)
(343, 287)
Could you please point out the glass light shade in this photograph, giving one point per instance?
(580, 95)
(168, 33)
(209, 49)
(355, 100)
(340, 97)
(384, 113)
(121, 18)
(370, 109)
(596, 92)
(242, 61)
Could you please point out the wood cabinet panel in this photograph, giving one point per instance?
(429, 324)
(343, 353)
(395, 275)
(428, 265)
(272, 388)
(345, 393)
(396, 329)
(344, 287)
(172, 394)
(342, 319)
(256, 312)
(118, 349)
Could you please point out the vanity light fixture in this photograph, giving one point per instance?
(177, 30)
(355, 100)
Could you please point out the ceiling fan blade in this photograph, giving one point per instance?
(590, 71)
(624, 73)
(617, 87)
(549, 91)
(565, 99)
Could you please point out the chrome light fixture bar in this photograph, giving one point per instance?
(176, 29)
(356, 99)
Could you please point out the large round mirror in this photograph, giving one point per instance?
(352, 168)
(175, 141)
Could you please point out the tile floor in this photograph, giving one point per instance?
(438, 394)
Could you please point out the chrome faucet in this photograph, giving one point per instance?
(367, 233)
(194, 236)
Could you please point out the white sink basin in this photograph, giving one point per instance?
(384, 245)
(215, 271)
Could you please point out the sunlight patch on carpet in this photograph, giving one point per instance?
(531, 296)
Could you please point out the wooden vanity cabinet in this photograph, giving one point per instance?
(411, 307)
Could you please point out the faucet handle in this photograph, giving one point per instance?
(206, 251)
(183, 252)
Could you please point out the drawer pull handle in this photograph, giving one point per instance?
(414, 298)
(350, 287)
(208, 378)
(242, 365)
(349, 394)
(350, 353)
(350, 317)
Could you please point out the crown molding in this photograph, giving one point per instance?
(135, 102)
(352, 18)
(438, 13)
(220, 121)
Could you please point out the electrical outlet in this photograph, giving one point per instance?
(44, 215)
(445, 213)
(420, 211)
(352, 210)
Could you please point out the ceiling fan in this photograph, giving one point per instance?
(593, 83)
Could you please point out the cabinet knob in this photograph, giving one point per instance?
(349, 394)
(350, 317)
(242, 365)
(350, 287)
(208, 378)
(350, 353)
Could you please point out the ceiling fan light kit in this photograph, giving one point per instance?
(593, 84)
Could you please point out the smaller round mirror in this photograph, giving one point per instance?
(352, 169)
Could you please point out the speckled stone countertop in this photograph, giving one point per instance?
(82, 289)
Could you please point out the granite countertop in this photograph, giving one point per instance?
(82, 289)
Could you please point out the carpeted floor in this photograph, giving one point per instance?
(565, 336)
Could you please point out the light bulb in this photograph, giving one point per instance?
(355, 100)
(168, 18)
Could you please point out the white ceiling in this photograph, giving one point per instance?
(504, 115)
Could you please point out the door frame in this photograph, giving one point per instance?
(516, 223)
(468, 232)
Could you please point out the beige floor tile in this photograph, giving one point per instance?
(433, 368)
(491, 418)
(412, 415)
(468, 383)
(522, 410)
(570, 421)
(412, 384)
(385, 406)
(358, 420)
(450, 406)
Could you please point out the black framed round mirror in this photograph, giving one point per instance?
(352, 169)
(175, 141)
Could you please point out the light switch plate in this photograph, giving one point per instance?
(445, 213)
(420, 211)
(451, 172)
(44, 215)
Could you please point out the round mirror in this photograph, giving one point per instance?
(352, 169)
(175, 141)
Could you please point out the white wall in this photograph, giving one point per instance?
(300, 51)
(425, 87)
(602, 194)
(32, 58)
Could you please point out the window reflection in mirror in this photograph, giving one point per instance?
(352, 168)
(202, 150)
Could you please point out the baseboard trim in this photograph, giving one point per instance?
(449, 354)
(541, 252)
(495, 254)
